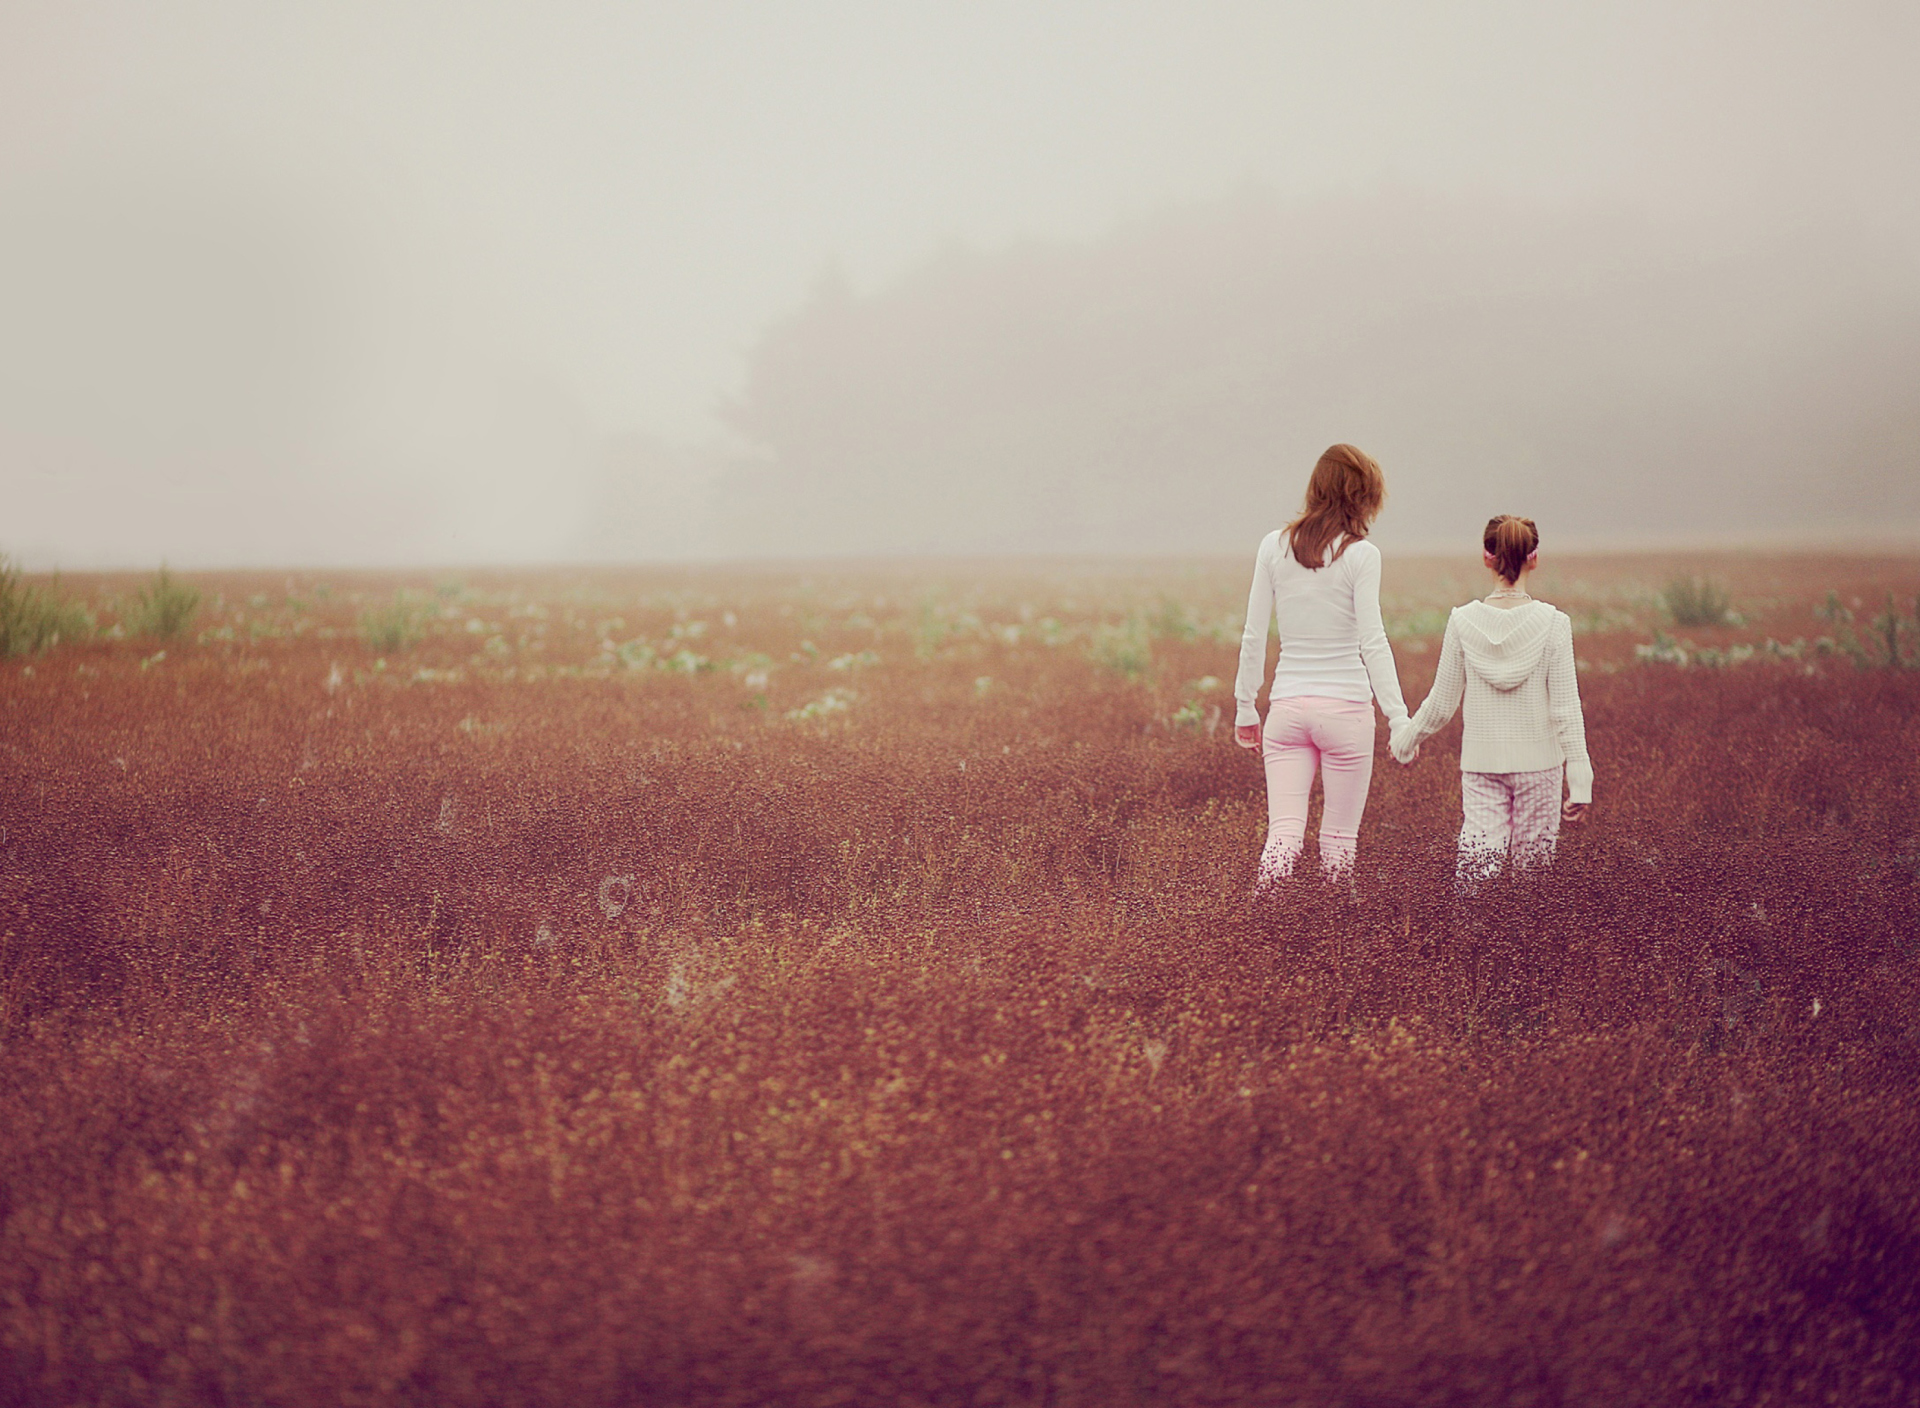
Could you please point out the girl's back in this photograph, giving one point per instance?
(1509, 658)
(1510, 671)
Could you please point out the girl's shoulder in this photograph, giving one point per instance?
(1545, 608)
(1558, 622)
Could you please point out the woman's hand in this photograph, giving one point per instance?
(1574, 813)
(1247, 735)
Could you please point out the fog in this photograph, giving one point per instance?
(427, 284)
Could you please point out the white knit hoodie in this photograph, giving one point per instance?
(1513, 668)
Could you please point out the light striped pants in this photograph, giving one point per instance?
(1506, 814)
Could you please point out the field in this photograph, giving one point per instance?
(832, 986)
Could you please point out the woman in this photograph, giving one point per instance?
(1319, 578)
(1510, 659)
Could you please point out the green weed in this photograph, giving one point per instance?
(1172, 621)
(392, 628)
(1125, 648)
(1695, 601)
(163, 608)
(33, 619)
(1889, 639)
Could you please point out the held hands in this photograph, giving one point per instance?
(1400, 742)
(1573, 813)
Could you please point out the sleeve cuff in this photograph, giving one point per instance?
(1246, 714)
(1579, 784)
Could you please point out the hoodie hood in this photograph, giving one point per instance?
(1504, 646)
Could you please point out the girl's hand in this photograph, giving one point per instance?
(1408, 760)
(1247, 735)
(1574, 813)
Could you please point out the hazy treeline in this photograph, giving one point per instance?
(196, 367)
(1166, 388)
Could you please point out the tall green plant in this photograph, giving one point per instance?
(1695, 601)
(1171, 620)
(164, 606)
(1888, 642)
(1125, 648)
(1894, 634)
(33, 619)
(391, 628)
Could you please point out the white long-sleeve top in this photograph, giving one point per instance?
(1513, 670)
(1333, 644)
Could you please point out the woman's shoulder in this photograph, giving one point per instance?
(1359, 551)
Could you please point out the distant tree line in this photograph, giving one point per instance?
(1166, 388)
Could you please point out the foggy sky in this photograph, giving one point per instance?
(421, 283)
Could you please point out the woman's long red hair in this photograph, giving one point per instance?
(1343, 497)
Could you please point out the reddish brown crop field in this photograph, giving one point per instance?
(818, 987)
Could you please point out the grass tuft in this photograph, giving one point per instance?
(1695, 601)
(1125, 648)
(163, 607)
(33, 619)
(392, 628)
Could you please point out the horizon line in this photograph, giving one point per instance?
(1906, 544)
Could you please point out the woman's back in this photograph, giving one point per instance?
(1333, 644)
(1313, 607)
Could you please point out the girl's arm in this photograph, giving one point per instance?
(1253, 640)
(1563, 707)
(1375, 653)
(1442, 702)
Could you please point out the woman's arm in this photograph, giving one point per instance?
(1253, 640)
(1375, 653)
(1563, 707)
(1442, 702)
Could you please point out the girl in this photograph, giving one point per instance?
(1320, 578)
(1511, 659)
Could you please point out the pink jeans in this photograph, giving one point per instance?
(1506, 814)
(1334, 737)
